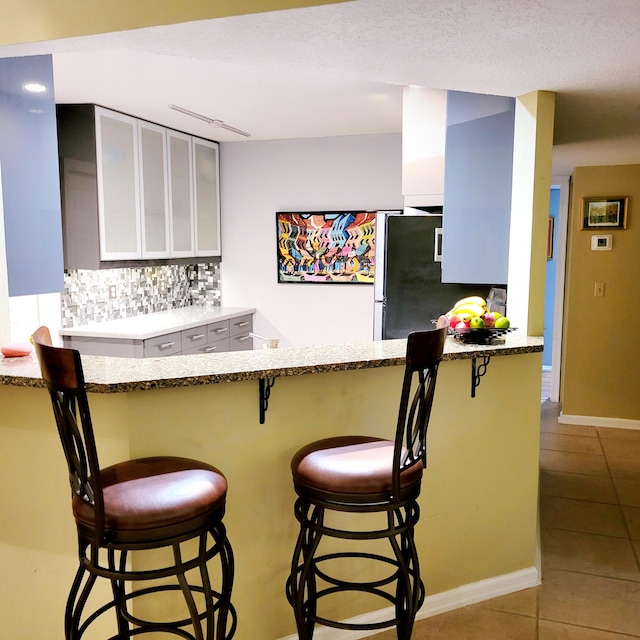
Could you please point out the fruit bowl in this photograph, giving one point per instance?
(479, 335)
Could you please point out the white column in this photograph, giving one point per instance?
(532, 148)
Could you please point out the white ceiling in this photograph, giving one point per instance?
(339, 69)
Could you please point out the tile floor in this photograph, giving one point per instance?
(590, 535)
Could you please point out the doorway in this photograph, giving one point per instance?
(554, 287)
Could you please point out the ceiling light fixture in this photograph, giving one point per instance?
(34, 87)
(211, 121)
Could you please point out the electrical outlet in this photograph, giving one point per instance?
(598, 290)
(113, 292)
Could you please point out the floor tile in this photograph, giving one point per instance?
(523, 602)
(588, 553)
(618, 434)
(472, 623)
(548, 630)
(553, 426)
(566, 442)
(582, 516)
(625, 468)
(607, 604)
(628, 492)
(621, 447)
(632, 517)
(573, 462)
(577, 486)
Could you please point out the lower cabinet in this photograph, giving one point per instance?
(214, 337)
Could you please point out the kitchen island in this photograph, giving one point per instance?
(477, 534)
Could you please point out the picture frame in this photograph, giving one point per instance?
(327, 247)
(550, 231)
(605, 212)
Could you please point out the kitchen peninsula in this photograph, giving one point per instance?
(477, 534)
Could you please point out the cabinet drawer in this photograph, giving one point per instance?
(241, 342)
(217, 330)
(166, 345)
(194, 337)
(219, 346)
(243, 324)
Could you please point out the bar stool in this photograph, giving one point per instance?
(366, 475)
(169, 503)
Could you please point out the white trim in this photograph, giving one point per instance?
(596, 421)
(5, 317)
(558, 308)
(440, 602)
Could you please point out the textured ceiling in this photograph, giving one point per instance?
(339, 69)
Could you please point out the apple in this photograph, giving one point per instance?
(476, 322)
(461, 325)
(453, 321)
(489, 319)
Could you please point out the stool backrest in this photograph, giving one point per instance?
(62, 372)
(424, 353)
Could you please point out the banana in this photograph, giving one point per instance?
(471, 300)
(473, 309)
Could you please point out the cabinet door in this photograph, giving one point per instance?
(118, 186)
(207, 197)
(477, 188)
(181, 216)
(154, 202)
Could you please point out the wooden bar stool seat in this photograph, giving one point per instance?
(170, 507)
(369, 477)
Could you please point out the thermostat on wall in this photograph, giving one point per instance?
(601, 243)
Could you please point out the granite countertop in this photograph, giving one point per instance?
(112, 375)
(155, 324)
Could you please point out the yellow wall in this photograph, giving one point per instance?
(601, 341)
(479, 499)
(37, 20)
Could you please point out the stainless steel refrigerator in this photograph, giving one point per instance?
(409, 293)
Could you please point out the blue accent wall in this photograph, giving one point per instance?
(30, 177)
(550, 288)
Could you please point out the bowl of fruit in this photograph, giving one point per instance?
(471, 321)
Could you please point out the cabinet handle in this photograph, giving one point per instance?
(242, 324)
(242, 338)
(166, 345)
(220, 330)
(197, 336)
(209, 349)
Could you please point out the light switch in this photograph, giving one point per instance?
(598, 290)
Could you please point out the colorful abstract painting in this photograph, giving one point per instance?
(327, 246)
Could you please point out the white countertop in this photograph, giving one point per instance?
(155, 324)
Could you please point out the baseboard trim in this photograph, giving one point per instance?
(441, 602)
(595, 421)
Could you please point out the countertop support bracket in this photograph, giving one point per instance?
(477, 371)
(264, 388)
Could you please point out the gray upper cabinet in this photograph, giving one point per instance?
(118, 166)
(156, 192)
(30, 178)
(477, 188)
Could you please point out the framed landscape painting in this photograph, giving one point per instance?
(330, 247)
(608, 213)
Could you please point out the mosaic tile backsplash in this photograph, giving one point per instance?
(109, 294)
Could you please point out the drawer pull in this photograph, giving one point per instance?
(209, 349)
(220, 330)
(243, 338)
(244, 323)
(197, 336)
(166, 345)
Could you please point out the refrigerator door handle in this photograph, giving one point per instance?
(437, 245)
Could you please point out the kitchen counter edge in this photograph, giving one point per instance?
(117, 375)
